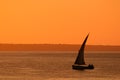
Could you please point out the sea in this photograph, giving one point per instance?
(57, 65)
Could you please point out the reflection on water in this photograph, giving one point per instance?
(57, 66)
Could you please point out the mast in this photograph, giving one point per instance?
(80, 58)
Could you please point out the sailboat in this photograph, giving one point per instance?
(79, 63)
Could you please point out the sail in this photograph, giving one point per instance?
(80, 57)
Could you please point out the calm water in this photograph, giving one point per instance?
(57, 66)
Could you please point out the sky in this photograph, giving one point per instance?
(60, 21)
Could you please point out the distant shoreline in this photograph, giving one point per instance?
(59, 52)
(55, 47)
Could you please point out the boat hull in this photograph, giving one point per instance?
(81, 67)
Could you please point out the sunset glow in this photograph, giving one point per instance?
(60, 21)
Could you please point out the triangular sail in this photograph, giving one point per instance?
(80, 57)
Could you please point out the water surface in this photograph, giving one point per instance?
(57, 66)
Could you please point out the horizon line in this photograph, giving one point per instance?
(54, 44)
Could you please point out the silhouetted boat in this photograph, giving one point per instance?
(79, 62)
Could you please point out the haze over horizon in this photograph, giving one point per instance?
(60, 22)
(53, 44)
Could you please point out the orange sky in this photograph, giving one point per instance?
(60, 21)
